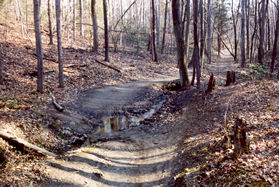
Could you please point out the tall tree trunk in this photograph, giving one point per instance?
(106, 30)
(80, 17)
(243, 61)
(196, 56)
(181, 60)
(247, 28)
(158, 21)
(165, 27)
(49, 22)
(39, 50)
(1, 69)
(209, 39)
(235, 20)
(95, 25)
(255, 31)
(262, 32)
(268, 32)
(274, 51)
(201, 33)
(74, 20)
(187, 30)
(59, 45)
(155, 57)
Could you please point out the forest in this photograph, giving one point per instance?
(139, 93)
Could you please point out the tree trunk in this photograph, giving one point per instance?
(209, 39)
(49, 23)
(165, 27)
(95, 25)
(106, 30)
(59, 45)
(274, 51)
(80, 17)
(158, 21)
(187, 30)
(262, 32)
(196, 56)
(155, 57)
(74, 20)
(39, 50)
(247, 28)
(181, 60)
(243, 61)
(1, 69)
(255, 31)
(201, 33)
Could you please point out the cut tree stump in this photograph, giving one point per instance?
(241, 143)
(211, 84)
(230, 78)
(20, 144)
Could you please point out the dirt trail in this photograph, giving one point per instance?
(147, 155)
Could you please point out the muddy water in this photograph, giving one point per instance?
(110, 125)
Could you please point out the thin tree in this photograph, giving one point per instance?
(275, 44)
(196, 56)
(158, 21)
(106, 30)
(49, 22)
(74, 20)
(187, 31)
(1, 71)
(235, 16)
(181, 59)
(209, 39)
(95, 25)
(80, 17)
(247, 27)
(202, 33)
(262, 31)
(243, 4)
(165, 27)
(154, 50)
(59, 45)
(39, 50)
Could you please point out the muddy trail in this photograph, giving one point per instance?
(121, 149)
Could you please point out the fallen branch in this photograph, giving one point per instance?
(113, 68)
(54, 102)
(20, 143)
(45, 57)
(75, 65)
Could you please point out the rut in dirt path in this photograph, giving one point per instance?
(139, 156)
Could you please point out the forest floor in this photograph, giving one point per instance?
(123, 128)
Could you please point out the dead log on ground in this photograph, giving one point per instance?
(54, 102)
(75, 65)
(230, 78)
(241, 143)
(211, 84)
(20, 144)
(111, 67)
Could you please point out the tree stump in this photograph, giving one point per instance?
(211, 84)
(230, 78)
(241, 143)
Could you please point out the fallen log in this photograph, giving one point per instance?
(54, 102)
(20, 143)
(108, 66)
(75, 65)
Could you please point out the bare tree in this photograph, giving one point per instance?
(106, 30)
(74, 20)
(262, 31)
(39, 50)
(196, 56)
(165, 27)
(95, 25)
(187, 31)
(80, 17)
(243, 63)
(49, 22)
(59, 45)
(275, 44)
(181, 60)
(209, 38)
(154, 50)
(247, 28)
